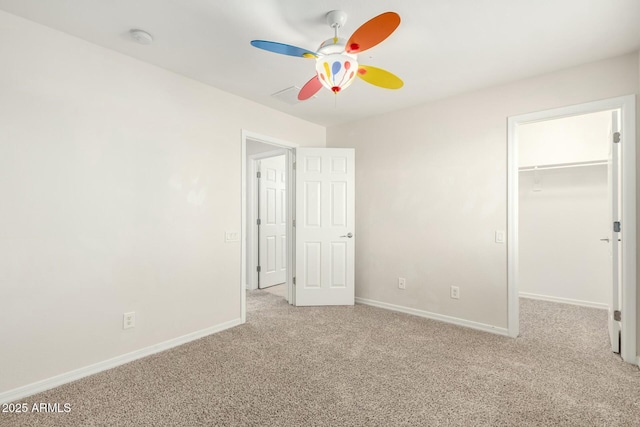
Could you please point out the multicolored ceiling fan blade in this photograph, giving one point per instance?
(284, 49)
(373, 32)
(310, 88)
(379, 77)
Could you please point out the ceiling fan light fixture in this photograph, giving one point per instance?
(337, 59)
(337, 71)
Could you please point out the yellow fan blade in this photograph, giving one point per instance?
(379, 77)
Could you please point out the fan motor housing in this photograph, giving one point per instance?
(334, 45)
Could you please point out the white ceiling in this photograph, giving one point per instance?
(442, 47)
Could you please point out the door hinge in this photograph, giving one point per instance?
(617, 315)
(294, 222)
(616, 137)
(616, 226)
(259, 175)
(258, 269)
(294, 280)
(258, 222)
(294, 165)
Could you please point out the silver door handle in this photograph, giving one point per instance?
(349, 235)
(605, 240)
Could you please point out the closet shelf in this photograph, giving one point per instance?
(563, 165)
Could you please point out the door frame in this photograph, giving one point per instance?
(252, 216)
(288, 148)
(626, 104)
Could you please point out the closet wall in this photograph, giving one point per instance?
(563, 213)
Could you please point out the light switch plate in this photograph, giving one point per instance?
(500, 236)
(231, 236)
(129, 320)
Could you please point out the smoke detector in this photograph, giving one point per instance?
(141, 36)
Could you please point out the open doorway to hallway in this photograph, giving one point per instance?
(266, 203)
(319, 218)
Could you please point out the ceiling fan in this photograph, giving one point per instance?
(337, 59)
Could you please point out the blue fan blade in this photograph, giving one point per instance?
(283, 49)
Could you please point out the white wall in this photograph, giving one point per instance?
(118, 180)
(432, 189)
(571, 139)
(560, 227)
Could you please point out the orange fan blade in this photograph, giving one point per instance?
(310, 88)
(379, 77)
(373, 32)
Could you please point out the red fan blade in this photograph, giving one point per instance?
(373, 32)
(310, 88)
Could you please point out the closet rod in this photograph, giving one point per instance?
(563, 165)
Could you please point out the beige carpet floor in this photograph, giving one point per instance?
(279, 290)
(356, 366)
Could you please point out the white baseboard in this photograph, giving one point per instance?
(564, 300)
(434, 316)
(58, 380)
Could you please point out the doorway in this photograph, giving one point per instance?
(266, 216)
(277, 234)
(589, 167)
(320, 222)
(564, 191)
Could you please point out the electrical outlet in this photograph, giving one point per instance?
(129, 320)
(455, 292)
(402, 283)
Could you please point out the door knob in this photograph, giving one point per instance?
(605, 240)
(349, 235)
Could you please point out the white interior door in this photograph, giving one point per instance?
(614, 239)
(325, 226)
(272, 229)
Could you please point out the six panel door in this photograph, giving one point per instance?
(325, 226)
